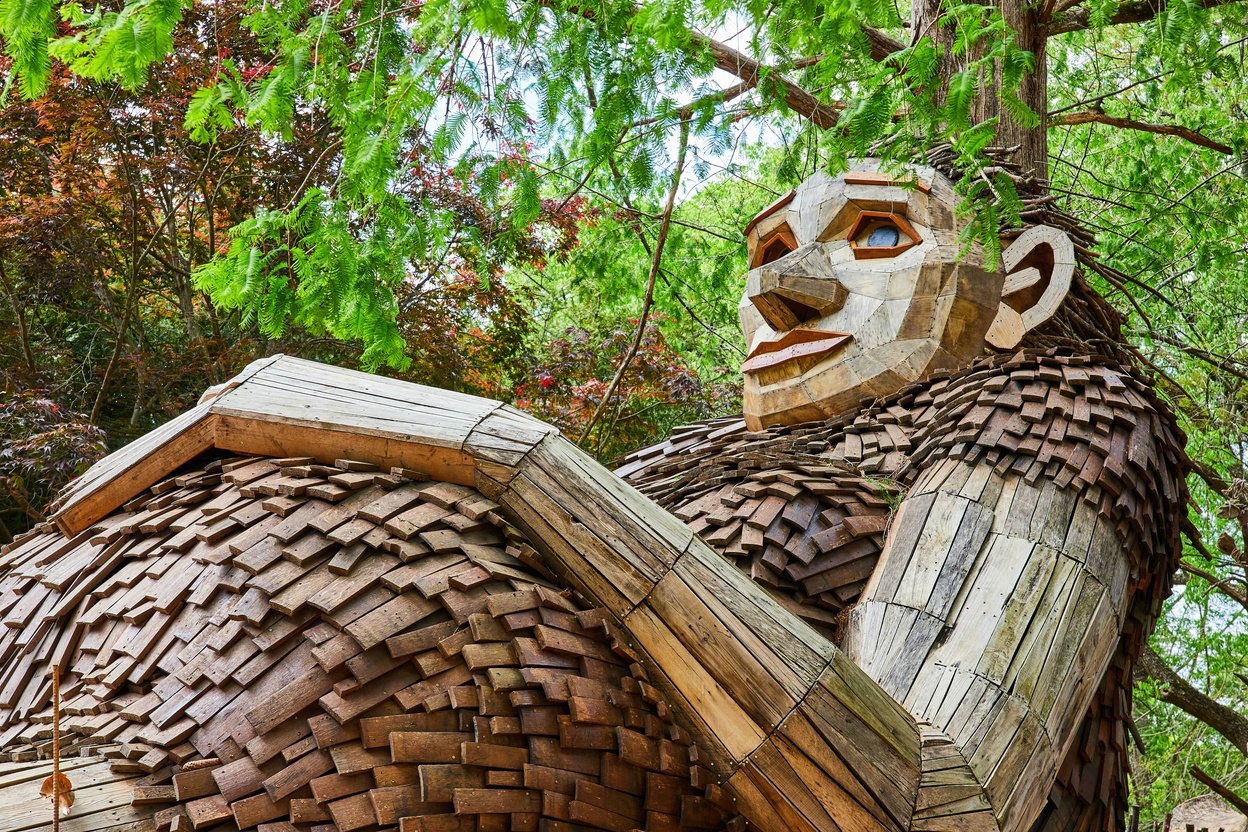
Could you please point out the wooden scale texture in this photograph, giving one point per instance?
(278, 645)
(803, 509)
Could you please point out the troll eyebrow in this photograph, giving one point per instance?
(769, 210)
(862, 177)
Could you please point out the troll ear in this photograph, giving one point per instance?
(1038, 268)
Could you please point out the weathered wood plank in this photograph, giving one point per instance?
(124, 473)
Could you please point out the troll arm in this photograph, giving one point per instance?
(805, 737)
(992, 615)
(798, 735)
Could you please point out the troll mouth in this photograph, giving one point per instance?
(796, 343)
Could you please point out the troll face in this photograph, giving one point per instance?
(858, 285)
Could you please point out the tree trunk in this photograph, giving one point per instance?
(1033, 155)
(1024, 20)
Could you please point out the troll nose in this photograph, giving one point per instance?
(796, 289)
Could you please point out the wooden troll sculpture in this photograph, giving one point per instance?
(328, 601)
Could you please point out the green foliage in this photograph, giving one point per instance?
(42, 449)
(113, 44)
(325, 282)
(208, 112)
(26, 27)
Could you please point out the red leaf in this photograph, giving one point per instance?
(66, 792)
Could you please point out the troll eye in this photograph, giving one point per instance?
(774, 251)
(879, 234)
(885, 234)
(774, 247)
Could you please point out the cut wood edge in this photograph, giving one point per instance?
(233, 417)
(121, 475)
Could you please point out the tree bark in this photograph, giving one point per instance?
(1186, 133)
(1023, 19)
(1033, 155)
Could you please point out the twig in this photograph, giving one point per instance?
(384, 14)
(664, 227)
(1219, 362)
(666, 275)
(1096, 100)
(56, 748)
(686, 112)
(1221, 585)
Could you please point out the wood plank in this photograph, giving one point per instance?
(762, 686)
(244, 433)
(393, 617)
(731, 725)
(128, 471)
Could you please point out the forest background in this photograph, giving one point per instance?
(542, 202)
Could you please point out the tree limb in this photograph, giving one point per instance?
(752, 72)
(1222, 586)
(1077, 19)
(1185, 133)
(882, 46)
(1178, 692)
(1225, 793)
(799, 100)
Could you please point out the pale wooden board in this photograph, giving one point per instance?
(124, 473)
(101, 798)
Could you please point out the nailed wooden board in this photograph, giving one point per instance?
(101, 799)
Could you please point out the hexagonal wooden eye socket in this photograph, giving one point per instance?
(880, 234)
(774, 246)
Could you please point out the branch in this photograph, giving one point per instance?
(1222, 586)
(664, 227)
(1226, 794)
(1218, 362)
(750, 71)
(798, 99)
(686, 112)
(882, 46)
(1097, 117)
(1178, 692)
(1078, 19)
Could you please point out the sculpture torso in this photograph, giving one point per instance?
(803, 509)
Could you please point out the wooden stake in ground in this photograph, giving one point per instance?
(57, 787)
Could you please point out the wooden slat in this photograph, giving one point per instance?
(124, 473)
